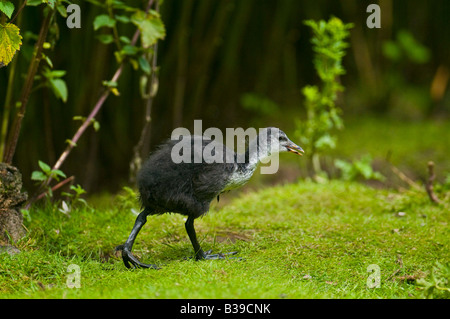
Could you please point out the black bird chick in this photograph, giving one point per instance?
(188, 188)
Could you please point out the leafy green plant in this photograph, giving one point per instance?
(150, 28)
(76, 195)
(11, 41)
(127, 199)
(73, 199)
(45, 174)
(137, 50)
(361, 168)
(149, 24)
(437, 284)
(322, 113)
(55, 83)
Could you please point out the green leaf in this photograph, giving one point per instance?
(10, 42)
(325, 141)
(96, 125)
(38, 176)
(364, 168)
(33, 3)
(105, 38)
(104, 20)
(52, 74)
(391, 51)
(144, 65)
(415, 51)
(123, 19)
(57, 73)
(59, 88)
(151, 27)
(48, 60)
(71, 143)
(78, 189)
(44, 167)
(110, 84)
(62, 10)
(125, 39)
(79, 118)
(129, 50)
(120, 5)
(51, 3)
(57, 172)
(7, 8)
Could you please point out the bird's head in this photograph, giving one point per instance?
(279, 142)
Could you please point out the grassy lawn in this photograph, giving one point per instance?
(302, 240)
(298, 240)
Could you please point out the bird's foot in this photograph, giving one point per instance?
(208, 256)
(130, 260)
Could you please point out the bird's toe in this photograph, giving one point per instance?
(209, 256)
(130, 261)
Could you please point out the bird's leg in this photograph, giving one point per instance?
(199, 253)
(127, 257)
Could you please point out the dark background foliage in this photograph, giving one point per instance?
(215, 53)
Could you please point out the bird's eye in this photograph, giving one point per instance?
(282, 138)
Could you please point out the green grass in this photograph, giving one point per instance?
(303, 240)
(408, 145)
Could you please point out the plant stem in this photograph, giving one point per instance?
(95, 110)
(429, 184)
(135, 164)
(7, 109)
(115, 32)
(59, 185)
(19, 11)
(86, 123)
(26, 90)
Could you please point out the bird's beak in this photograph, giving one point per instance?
(294, 148)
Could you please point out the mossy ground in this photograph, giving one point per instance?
(298, 240)
(303, 240)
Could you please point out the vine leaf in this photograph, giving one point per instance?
(104, 20)
(151, 27)
(10, 42)
(59, 88)
(7, 8)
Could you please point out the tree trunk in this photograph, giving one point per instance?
(11, 199)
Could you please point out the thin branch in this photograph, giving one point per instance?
(86, 123)
(429, 183)
(152, 90)
(54, 188)
(405, 178)
(26, 90)
(95, 110)
(19, 11)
